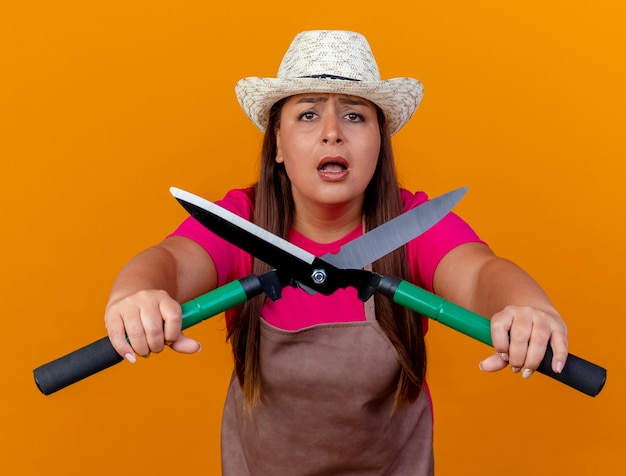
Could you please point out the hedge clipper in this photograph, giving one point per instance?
(293, 266)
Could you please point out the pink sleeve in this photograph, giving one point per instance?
(230, 262)
(426, 251)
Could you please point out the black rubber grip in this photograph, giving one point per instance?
(101, 355)
(76, 366)
(578, 373)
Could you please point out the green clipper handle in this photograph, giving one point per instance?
(101, 355)
(578, 373)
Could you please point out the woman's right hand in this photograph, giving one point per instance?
(151, 319)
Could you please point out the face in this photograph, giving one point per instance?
(329, 145)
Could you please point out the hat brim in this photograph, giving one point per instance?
(398, 97)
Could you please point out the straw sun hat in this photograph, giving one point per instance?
(330, 61)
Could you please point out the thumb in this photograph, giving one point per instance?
(186, 345)
(493, 363)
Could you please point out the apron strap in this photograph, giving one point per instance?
(368, 306)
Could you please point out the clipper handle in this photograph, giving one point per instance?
(71, 368)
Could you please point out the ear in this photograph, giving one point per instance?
(279, 154)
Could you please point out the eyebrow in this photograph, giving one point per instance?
(342, 99)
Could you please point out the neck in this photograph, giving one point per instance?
(327, 223)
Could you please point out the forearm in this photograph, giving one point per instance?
(177, 265)
(501, 283)
(472, 276)
(523, 320)
(144, 312)
(154, 268)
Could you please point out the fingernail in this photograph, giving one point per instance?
(480, 366)
(515, 369)
(199, 348)
(527, 373)
(504, 356)
(131, 358)
(559, 367)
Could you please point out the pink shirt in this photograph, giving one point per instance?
(296, 309)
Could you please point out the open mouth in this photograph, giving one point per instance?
(330, 165)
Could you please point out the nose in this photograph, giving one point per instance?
(331, 130)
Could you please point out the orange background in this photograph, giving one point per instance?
(106, 104)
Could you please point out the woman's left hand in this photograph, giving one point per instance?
(520, 336)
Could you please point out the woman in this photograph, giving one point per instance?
(328, 384)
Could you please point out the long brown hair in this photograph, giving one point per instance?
(402, 326)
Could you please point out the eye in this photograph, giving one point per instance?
(355, 117)
(307, 116)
